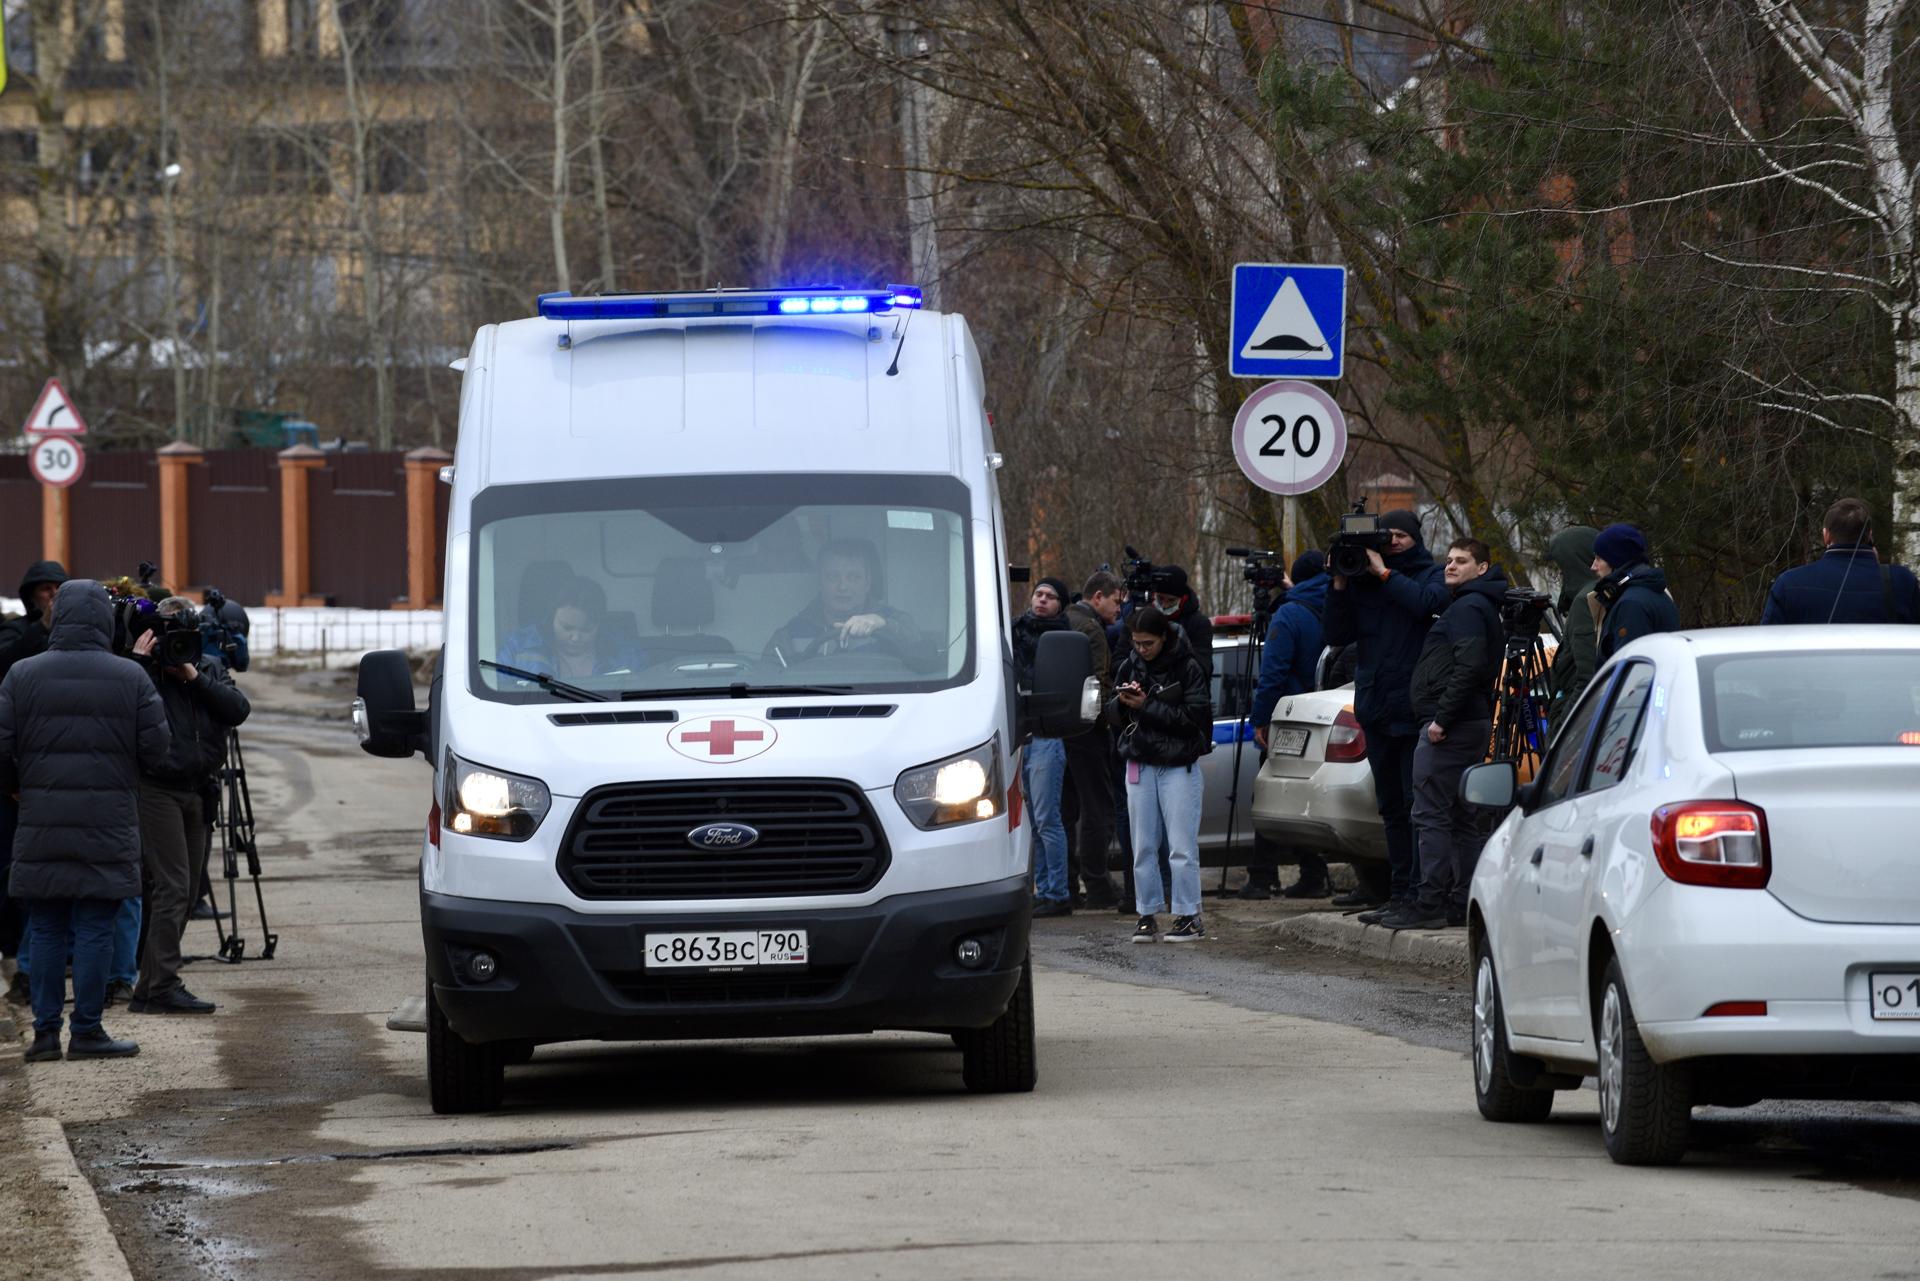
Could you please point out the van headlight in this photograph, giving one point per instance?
(478, 801)
(960, 789)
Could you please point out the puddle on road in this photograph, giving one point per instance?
(314, 1158)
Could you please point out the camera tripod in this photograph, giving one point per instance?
(1519, 732)
(233, 823)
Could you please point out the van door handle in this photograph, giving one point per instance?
(1538, 854)
(1586, 848)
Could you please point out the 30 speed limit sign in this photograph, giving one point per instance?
(1289, 438)
(56, 460)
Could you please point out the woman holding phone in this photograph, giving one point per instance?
(1166, 717)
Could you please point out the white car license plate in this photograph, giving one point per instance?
(726, 949)
(1895, 995)
(1287, 742)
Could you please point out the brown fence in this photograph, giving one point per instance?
(300, 527)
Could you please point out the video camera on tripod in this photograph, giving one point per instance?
(1144, 577)
(1264, 571)
(1520, 732)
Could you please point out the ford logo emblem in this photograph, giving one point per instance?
(722, 836)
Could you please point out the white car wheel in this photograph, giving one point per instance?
(1645, 1106)
(1498, 1097)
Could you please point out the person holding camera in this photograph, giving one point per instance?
(1452, 695)
(1165, 699)
(1848, 584)
(77, 724)
(1386, 611)
(201, 705)
(1288, 660)
(1630, 600)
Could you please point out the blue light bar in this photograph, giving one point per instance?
(817, 301)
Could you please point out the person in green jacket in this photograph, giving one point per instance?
(1573, 663)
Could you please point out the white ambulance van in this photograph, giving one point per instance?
(725, 732)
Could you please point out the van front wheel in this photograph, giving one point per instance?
(461, 1076)
(1000, 1058)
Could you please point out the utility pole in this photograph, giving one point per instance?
(912, 47)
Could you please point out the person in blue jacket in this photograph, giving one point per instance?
(1287, 664)
(1848, 584)
(1387, 612)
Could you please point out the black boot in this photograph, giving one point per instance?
(1304, 888)
(46, 1045)
(98, 1045)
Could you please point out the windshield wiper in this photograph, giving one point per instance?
(739, 689)
(548, 683)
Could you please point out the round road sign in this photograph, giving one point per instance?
(56, 460)
(1289, 437)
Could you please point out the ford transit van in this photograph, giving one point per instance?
(725, 728)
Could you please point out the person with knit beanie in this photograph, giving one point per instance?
(1043, 762)
(1631, 599)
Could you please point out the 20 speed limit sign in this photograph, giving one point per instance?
(1289, 437)
(56, 460)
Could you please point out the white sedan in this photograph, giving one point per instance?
(1711, 892)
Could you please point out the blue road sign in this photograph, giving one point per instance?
(1289, 320)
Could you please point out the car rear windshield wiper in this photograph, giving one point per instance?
(739, 689)
(548, 683)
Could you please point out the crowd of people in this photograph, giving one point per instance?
(1423, 643)
(111, 741)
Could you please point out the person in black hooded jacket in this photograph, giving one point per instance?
(77, 724)
(1043, 762)
(1630, 600)
(1165, 700)
(20, 638)
(1387, 611)
(1453, 684)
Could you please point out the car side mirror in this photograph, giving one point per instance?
(1494, 786)
(1065, 699)
(384, 714)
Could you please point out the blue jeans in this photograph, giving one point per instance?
(125, 965)
(1165, 804)
(91, 921)
(1043, 768)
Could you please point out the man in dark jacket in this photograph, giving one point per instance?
(1453, 698)
(1630, 600)
(1174, 597)
(1090, 753)
(1574, 661)
(1288, 660)
(1848, 584)
(77, 724)
(1388, 611)
(1043, 761)
(201, 705)
(22, 638)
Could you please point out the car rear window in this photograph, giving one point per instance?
(1820, 698)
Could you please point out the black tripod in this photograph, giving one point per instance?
(1519, 731)
(233, 821)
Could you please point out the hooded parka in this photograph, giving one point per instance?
(26, 636)
(1574, 662)
(77, 724)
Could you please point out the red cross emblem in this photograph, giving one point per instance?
(721, 741)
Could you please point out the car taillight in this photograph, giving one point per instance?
(1721, 843)
(1346, 741)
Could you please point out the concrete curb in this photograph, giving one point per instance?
(1435, 949)
(96, 1253)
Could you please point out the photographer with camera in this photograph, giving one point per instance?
(1386, 592)
(1287, 663)
(1452, 695)
(201, 706)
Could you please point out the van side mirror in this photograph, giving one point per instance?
(1494, 786)
(384, 715)
(1065, 698)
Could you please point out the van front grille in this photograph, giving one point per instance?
(631, 841)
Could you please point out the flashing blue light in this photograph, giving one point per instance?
(817, 301)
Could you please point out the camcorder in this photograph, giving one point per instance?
(1522, 610)
(1264, 571)
(1143, 576)
(1359, 534)
(223, 628)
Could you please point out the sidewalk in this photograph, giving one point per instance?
(1315, 923)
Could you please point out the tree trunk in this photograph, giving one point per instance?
(63, 317)
(595, 36)
(557, 193)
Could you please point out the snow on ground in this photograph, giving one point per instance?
(338, 637)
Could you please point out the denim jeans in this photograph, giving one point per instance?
(126, 943)
(91, 920)
(1043, 768)
(1165, 804)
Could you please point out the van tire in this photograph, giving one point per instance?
(461, 1076)
(1000, 1058)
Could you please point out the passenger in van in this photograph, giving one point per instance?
(848, 615)
(574, 640)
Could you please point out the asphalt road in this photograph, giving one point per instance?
(1229, 1109)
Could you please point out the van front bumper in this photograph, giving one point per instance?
(568, 976)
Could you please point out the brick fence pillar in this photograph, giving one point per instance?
(423, 473)
(296, 527)
(175, 567)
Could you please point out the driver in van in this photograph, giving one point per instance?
(848, 617)
(573, 641)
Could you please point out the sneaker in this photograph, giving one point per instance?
(98, 1045)
(46, 1045)
(176, 1001)
(118, 991)
(1383, 911)
(1307, 889)
(1413, 916)
(1052, 907)
(203, 911)
(1185, 930)
(1147, 931)
(1253, 893)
